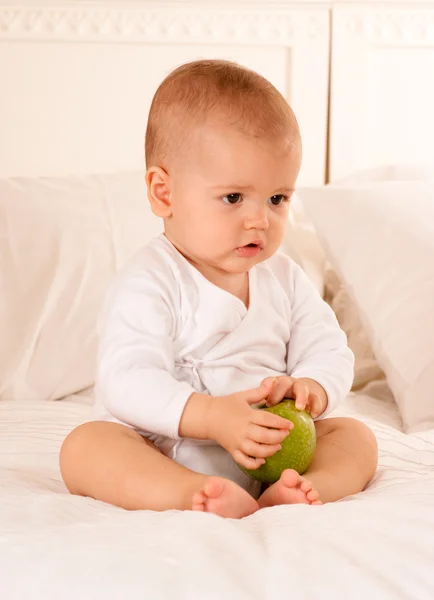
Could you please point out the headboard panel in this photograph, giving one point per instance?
(78, 78)
(382, 92)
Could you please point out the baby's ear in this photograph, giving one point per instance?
(158, 184)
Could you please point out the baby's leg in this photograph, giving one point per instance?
(345, 459)
(115, 464)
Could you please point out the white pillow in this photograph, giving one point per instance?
(301, 243)
(366, 367)
(61, 241)
(379, 238)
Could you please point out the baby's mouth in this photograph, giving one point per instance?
(255, 244)
(251, 249)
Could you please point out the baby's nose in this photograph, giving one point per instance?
(257, 219)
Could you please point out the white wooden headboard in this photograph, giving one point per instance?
(77, 77)
(382, 85)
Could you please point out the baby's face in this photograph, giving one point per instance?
(231, 197)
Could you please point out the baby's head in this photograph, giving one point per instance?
(223, 153)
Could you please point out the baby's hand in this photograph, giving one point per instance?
(308, 394)
(248, 434)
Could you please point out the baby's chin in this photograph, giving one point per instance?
(237, 263)
(231, 262)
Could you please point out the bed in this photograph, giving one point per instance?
(72, 213)
(54, 545)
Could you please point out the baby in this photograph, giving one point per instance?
(209, 319)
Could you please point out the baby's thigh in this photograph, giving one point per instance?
(351, 435)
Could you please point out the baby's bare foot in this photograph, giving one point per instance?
(290, 489)
(225, 498)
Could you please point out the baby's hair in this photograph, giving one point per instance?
(200, 91)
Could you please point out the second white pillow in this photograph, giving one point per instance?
(379, 238)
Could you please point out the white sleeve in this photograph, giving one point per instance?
(317, 347)
(135, 366)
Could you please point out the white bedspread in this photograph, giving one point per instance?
(377, 545)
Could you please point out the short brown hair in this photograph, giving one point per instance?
(195, 91)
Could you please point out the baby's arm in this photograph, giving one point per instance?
(317, 347)
(135, 368)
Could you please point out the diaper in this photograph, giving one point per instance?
(208, 458)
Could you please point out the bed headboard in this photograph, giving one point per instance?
(78, 77)
(381, 88)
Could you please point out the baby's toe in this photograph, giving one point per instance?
(213, 488)
(290, 478)
(198, 501)
(305, 486)
(312, 496)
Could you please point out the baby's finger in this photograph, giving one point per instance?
(315, 407)
(281, 389)
(257, 394)
(269, 381)
(301, 393)
(267, 419)
(264, 435)
(259, 450)
(247, 461)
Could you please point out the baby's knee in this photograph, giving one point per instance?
(76, 438)
(76, 450)
(72, 450)
(88, 448)
(363, 442)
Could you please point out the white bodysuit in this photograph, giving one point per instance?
(165, 332)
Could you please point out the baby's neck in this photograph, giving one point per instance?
(236, 284)
(240, 288)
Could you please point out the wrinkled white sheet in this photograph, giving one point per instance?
(379, 544)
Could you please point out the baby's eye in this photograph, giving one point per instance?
(232, 198)
(278, 199)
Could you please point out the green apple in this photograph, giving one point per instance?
(297, 448)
